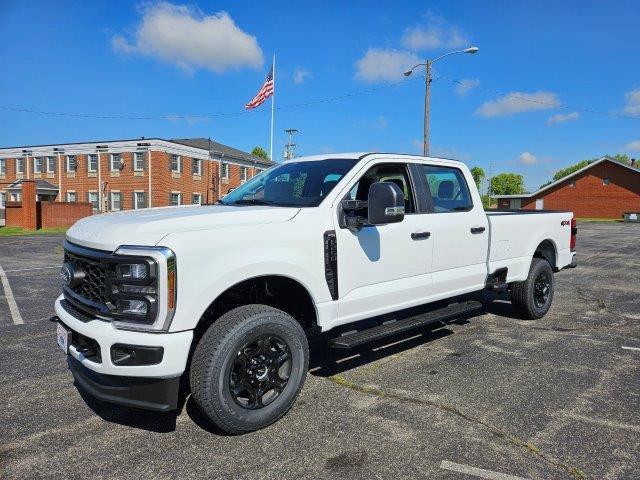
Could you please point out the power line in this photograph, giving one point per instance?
(550, 104)
(206, 116)
(307, 104)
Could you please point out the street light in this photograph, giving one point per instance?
(427, 95)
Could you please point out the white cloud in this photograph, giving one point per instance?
(186, 37)
(300, 75)
(436, 33)
(632, 102)
(527, 158)
(466, 85)
(381, 123)
(560, 118)
(384, 64)
(518, 102)
(633, 146)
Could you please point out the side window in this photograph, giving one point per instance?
(394, 173)
(448, 188)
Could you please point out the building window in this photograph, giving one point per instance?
(116, 162)
(37, 165)
(92, 163)
(16, 197)
(138, 161)
(224, 171)
(71, 163)
(19, 166)
(3, 166)
(139, 200)
(605, 181)
(92, 198)
(116, 201)
(3, 200)
(71, 196)
(243, 174)
(196, 166)
(196, 199)
(51, 164)
(175, 164)
(175, 198)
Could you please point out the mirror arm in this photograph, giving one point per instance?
(355, 223)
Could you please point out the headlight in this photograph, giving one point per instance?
(132, 307)
(143, 289)
(135, 271)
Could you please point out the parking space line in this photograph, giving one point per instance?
(30, 269)
(624, 347)
(13, 306)
(477, 472)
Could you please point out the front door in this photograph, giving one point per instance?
(383, 268)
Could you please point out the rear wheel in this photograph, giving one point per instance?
(532, 298)
(249, 368)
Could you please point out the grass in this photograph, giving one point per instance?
(15, 231)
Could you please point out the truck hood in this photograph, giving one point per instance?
(148, 226)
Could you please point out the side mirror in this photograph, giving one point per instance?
(386, 203)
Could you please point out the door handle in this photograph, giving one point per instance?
(476, 230)
(420, 235)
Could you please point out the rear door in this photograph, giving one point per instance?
(383, 268)
(460, 231)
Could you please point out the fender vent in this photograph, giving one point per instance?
(331, 262)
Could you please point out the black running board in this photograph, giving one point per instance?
(351, 340)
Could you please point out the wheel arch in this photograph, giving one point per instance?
(277, 290)
(548, 251)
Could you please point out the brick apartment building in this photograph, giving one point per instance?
(602, 189)
(127, 174)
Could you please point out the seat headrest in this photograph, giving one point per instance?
(445, 190)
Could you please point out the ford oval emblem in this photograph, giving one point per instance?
(66, 274)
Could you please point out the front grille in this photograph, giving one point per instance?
(76, 312)
(94, 286)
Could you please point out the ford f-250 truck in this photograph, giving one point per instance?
(227, 295)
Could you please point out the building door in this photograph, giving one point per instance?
(515, 203)
(540, 204)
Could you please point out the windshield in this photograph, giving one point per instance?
(291, 184)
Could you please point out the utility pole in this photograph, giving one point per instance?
(290, 146)
(427, 101)
(427, 94)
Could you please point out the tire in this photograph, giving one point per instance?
(529, 298)
(238, 378)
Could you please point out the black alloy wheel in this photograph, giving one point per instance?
(541, 289)
(260, 372)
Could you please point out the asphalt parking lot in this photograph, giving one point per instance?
(487, 397)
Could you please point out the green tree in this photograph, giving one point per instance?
(507, 184)
(260, 152)
(563, 172)
(478, 174)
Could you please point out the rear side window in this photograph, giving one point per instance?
(448, 188)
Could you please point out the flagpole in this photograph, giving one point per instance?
(272, 106)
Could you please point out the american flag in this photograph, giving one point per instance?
(265, 92)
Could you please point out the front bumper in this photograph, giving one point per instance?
(175, 347)
(160, 394)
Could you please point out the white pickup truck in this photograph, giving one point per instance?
(226, 296)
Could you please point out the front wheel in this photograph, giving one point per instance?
(249, 368)
(532, 298)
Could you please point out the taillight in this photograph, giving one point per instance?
(574, 234)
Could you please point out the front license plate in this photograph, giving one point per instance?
(63, 337)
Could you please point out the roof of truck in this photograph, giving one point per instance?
(360, 155)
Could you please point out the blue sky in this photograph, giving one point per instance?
(199, 59)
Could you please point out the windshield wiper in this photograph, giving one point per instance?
(254, 201)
